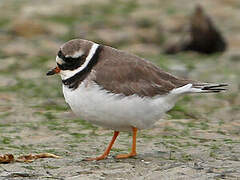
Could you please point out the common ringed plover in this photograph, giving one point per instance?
(118, 90)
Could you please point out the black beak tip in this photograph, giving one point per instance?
(50, 72)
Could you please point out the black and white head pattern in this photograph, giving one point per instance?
(75, 59)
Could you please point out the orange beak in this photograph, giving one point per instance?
(53, 71)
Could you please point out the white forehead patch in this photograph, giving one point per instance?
(59, 60)
(65, 74)
(77, 54)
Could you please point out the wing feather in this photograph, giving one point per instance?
(123, 73)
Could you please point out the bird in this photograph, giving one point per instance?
(119, 90)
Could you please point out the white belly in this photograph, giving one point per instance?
(117, 112)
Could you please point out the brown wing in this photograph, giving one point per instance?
(122, 73)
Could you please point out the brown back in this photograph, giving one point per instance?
(123, 73)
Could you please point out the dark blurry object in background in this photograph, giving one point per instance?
(203, 36)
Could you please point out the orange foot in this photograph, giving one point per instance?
(105, 154)
(133, 152)
(123, 156)
(120, 156)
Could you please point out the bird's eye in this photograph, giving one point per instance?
(66, 59)
(60, 55)
(70, 59)
(70, 63)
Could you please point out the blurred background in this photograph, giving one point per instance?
(35, 118)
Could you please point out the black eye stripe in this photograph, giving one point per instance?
(60, 55)
(70, 59)
(71, 63)
(68, 66)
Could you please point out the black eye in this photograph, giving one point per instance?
(66, 59)
(70, 63)
(60, 55)
(70, 59)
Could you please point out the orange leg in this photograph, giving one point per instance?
(133, 152)
(106, 152)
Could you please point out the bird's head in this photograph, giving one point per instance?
(72, 57)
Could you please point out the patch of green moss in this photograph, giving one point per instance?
(186, 157)
(50, 167)
(63, 19)
(82, 123)
(5, 140)
(204, 125)
(78, 135)
(29, 167)
(3, 22)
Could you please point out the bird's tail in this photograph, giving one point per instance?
(208, 87)
(200, 88)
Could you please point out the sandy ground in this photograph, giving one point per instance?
(198, 139)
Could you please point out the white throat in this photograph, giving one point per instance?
(65, 74)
